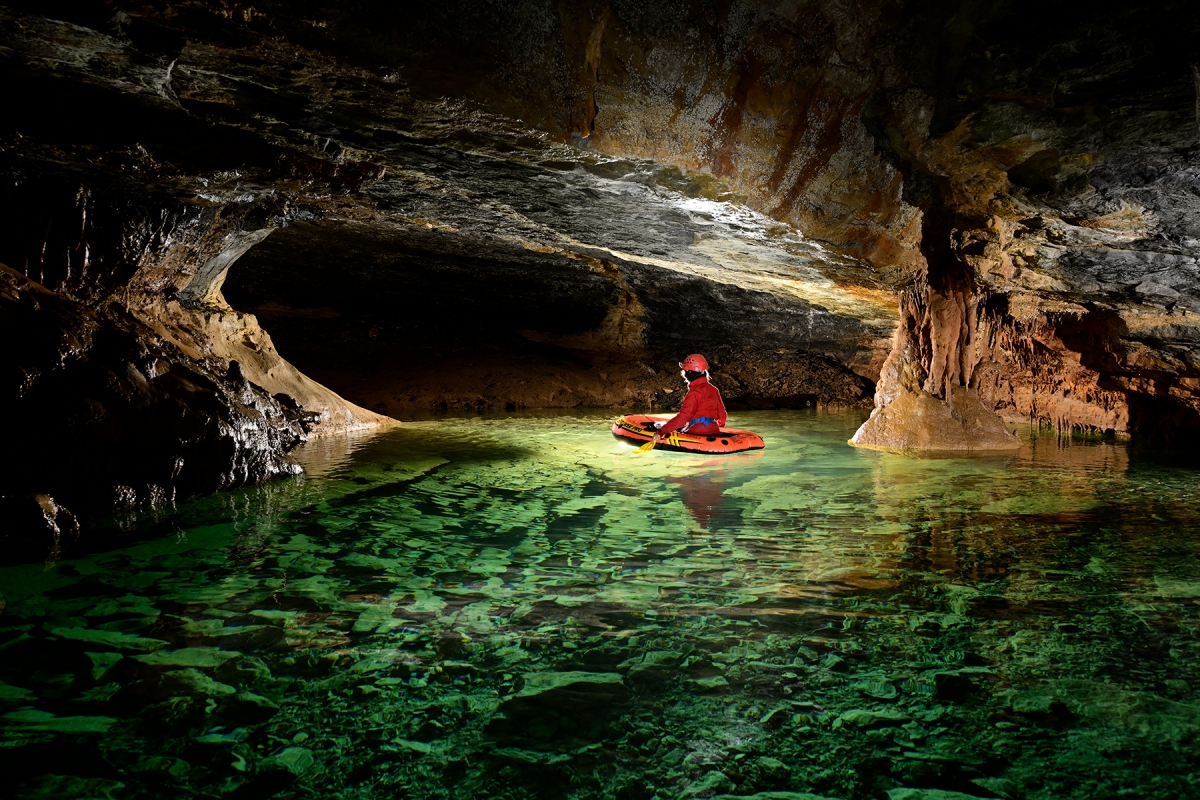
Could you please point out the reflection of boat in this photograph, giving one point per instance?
(640, 429)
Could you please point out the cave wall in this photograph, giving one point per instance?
(119, 392)
(1047, 156)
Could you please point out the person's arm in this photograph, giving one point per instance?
(686, 411)
(723, 417)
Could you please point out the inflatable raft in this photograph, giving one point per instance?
(640, 429)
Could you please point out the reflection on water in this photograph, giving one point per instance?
(702, 489)
(523, 606)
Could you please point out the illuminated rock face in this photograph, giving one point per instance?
(916, 420)
(452, 205)
(1053, 163)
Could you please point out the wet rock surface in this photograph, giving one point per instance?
(110, 418)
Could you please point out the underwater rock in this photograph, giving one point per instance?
(116, 640)
(773, 796)
(559, 709)
(164, 768)
(712, 683)
(772, 766)
(959, 684)
(102, 664)
(588, 686)
(192, 681)
(266, 782)
(863, 718)
(1147, 715)
(296, 760)
(880, 690)
(176, 687)
(776, 717)
(247, 708)
(712, 783)
(202, 658)
(835, 663)
(241, 638)
(653, 666)
(12, 696)
(929, 794)
(1042, 706)
(33, 720)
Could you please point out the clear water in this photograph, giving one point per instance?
(524, 607)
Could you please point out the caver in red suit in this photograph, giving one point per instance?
(703, 411)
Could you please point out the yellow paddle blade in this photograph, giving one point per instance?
(647, 447)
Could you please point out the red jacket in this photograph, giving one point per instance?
(703, 400)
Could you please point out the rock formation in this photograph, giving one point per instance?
(976, 212)
(1048, 158)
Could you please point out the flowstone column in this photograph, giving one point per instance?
(924, 399)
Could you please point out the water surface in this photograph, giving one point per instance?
(523, 607)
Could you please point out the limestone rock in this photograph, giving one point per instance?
(200, 658)
(773, 796)
(114, 418)
(713, 782)
(864, 718)
(247, 708)
(928, 794)
(36, 528)
(916, 420)
(601, 683)
(559, 709)
(115, 640)
(296, 760)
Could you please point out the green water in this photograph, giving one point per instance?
(524, 607)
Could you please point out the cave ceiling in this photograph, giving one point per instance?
(303, 135)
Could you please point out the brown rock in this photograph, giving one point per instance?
(916, 420)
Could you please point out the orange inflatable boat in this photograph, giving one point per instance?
(640, 429)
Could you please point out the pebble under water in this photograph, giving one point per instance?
(522, 606)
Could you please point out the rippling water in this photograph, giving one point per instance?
(524, 607)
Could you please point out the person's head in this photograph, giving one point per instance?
(693, 367)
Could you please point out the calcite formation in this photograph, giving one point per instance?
(976, 214)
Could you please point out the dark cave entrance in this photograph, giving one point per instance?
(399, 318)
(403, 319)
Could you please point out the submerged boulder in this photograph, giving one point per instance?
(559, 710)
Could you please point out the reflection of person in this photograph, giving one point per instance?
(703, 411)
(702, 496)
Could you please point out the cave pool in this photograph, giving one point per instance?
(520, 606)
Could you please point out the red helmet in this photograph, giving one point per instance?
(694, 363)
